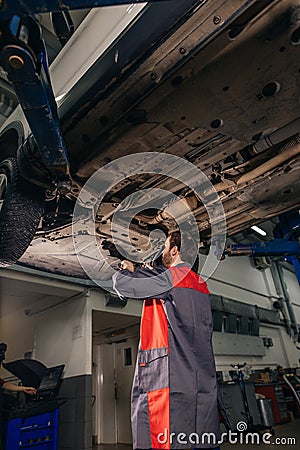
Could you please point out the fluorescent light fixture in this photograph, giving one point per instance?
(259, 230)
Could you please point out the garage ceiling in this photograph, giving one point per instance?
(106, 323)
(29, 292)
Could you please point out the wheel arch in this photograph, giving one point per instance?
(11, 138)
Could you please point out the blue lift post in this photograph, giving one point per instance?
(289, 227)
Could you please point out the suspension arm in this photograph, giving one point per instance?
(10, 8)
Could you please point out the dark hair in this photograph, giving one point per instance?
(175, 239)
(190, 250)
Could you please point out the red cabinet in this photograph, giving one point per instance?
(279, 405)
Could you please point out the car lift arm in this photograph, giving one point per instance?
(286, 244)
(23, 56)
(276, 247)
(10, 8)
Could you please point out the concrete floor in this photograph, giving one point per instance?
(288, 430)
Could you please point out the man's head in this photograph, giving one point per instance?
(280, 370)
(171, 253)
(177, 250)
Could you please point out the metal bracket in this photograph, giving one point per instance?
(24, 57)
(24, 7)
(276, 247)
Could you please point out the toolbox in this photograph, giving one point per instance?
(38, 432)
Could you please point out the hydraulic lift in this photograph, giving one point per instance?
(286, 242)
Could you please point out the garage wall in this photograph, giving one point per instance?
(17, 331)
(283, 352)
(46, 317)
(237, 279)
(63, 336)
(60, 336)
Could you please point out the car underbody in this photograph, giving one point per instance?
(219, 89)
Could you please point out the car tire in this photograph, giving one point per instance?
(21, 208)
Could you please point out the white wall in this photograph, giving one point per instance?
(64, 336)
(17, 331)
(237, 279)
(30, 321)
(97, 302)
(59, 336)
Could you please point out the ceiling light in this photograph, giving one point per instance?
(259, 230)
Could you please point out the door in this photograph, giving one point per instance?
(125, 357)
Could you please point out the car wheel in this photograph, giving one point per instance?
(21, 208)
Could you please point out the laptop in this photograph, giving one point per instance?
(45, 397)
(50, 383)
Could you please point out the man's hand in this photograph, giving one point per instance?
(14, 388)
(29, 390)
(127, 265)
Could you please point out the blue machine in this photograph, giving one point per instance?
(39, 432)
(34, 424)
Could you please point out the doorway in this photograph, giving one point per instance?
(125, 356)
(114, 357)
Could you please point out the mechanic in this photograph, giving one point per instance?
(280, 373)
(174, 394)
(13, 387)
